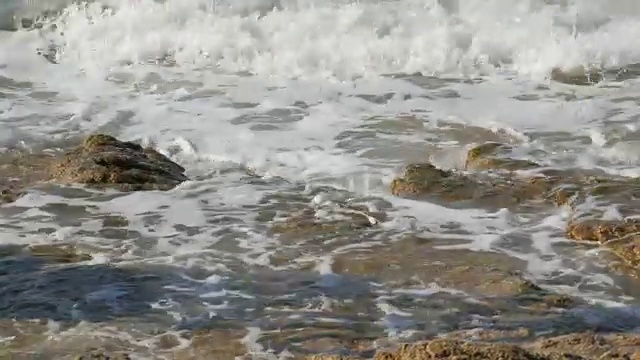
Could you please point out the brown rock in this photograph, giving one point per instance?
(8, 195)
(475, 272)
(590, 345)
(103, 160)
(58, 253)
(214, 344)
(491, 335)
(19, 170)
(101, 355)
(628, 250)
(585, 346)
(602, 231)
(493, 155)
(577, 76)
(425, 181)
(420, 180)
(453, 349)
(306, 222)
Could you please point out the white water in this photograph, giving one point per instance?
(218, 86)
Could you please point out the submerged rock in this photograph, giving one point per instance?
(9, 195)
(577, 76)
(101, 355)
(425, 181)
(19, 171)
(58, 253)
(308, 222)
(492, 155)
(102, 160)
(213, 344)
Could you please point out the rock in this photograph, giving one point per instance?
(426, 182)
(100, 355)
(577, 76)
(482, 274)
(214, 344)
(307, 222)
(577, 346)
(492, 155)
(589, 345)
(8, 195)
(602, 231)
(622, 238)
(115, 221)
(58, 253)
(102, 160)
(454, 349)
(20, 170)
(424, 179)
(520, 334)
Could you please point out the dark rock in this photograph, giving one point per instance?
(103, 160)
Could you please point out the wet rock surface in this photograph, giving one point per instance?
(338, 221)
(100, 161)
(577, 76)
(580, 346)
(493, 155)
(103, 160)
(426, 182)
(336, 305)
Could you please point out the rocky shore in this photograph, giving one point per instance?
(491, 179)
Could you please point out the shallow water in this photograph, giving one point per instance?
(325, 102)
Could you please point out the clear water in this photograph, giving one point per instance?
(310, 95)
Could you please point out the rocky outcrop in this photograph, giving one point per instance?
(102, 160)
(578, 346)
(503, 187)
(425, 181)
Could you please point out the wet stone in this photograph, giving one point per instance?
(493, 155)
(577, 76)
(455, 349)
(101, 355)
(58, 253)
(602, 231)
(214, 344)
(424, 181)
(590, 345)
(168, 341)
(576, 346)
(103, 160)
(341, 220)
(492, 335)
(474, 272)
(9, 195)
(115, 221)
